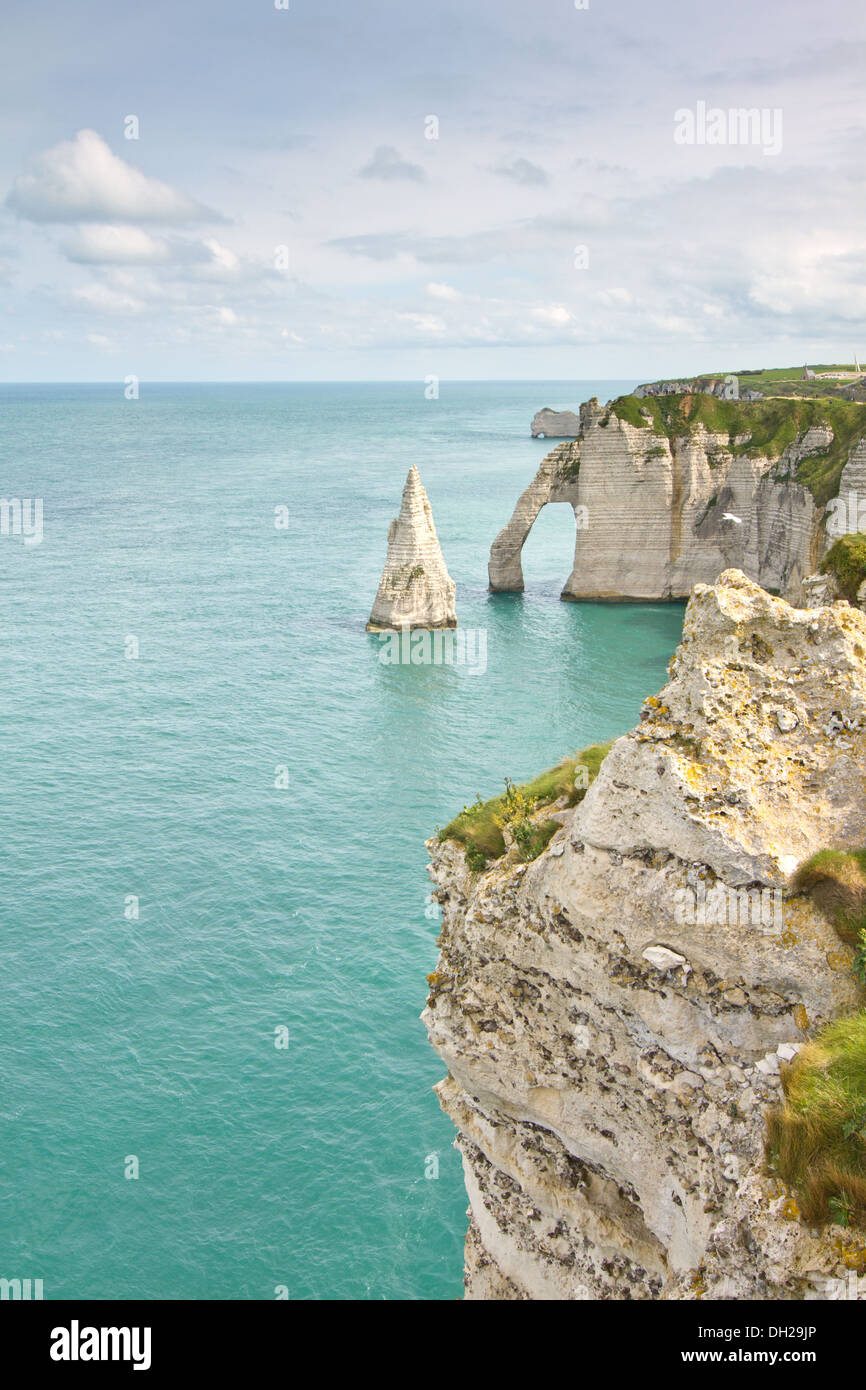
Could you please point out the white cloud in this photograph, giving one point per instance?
(552, 313)
(223, 257)
(442, 291)
(106, 300)
(95, 244)
(82, 180)
(425, 323)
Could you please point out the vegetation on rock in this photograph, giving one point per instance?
(816, 1141)
(479, 827)
(836, 880)
(846, 560)
(763, 428)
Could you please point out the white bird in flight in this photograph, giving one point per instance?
(729, 516)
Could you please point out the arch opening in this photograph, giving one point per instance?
(548, 551)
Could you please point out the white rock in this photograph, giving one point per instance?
(769, 1065)
(663, 958)
(416, 590)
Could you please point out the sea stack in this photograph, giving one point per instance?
(416, 589)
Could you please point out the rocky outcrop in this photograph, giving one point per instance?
(820, 590)
(416, 590)
(614, 1015)
(555, 424)
(727, 387)
(658, 514)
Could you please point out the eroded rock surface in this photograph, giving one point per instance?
(614, 1015)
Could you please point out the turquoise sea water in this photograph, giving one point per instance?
(259, 907)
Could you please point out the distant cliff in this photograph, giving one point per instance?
(614, 1001)
(555, 424)
(670, 490)
(726, 387)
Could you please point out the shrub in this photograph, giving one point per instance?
(479, 826)
(846, 560)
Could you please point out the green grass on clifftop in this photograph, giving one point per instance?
(816, 1141)
(769, 378)
(846, 560)
(772, 425)
(479, 827)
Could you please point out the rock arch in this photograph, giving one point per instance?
(556, 481)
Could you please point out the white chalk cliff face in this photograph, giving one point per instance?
(613, 1015)
(661, 515)
(416, 590)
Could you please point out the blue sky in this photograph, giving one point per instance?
(283, 213)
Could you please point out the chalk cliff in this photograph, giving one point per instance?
(665, 504)
(714, 386)
(416, 590)
(613, 1014)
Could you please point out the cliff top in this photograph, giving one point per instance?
(765, 427)
(818, 379)
(749, 759)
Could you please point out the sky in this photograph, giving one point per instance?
(491, 189)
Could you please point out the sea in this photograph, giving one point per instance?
(216, 917)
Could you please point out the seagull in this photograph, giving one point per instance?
(729, 516)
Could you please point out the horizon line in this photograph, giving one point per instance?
(312, 381)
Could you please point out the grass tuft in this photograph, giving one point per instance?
(816, 1141)
(479, 826)
(836, 882)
